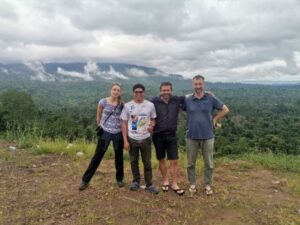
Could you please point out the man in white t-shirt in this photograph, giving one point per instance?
(138, 121)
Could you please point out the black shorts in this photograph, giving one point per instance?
(165, 144)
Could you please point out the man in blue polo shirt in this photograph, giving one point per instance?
(200, 135)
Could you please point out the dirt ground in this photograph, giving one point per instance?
(43, 189)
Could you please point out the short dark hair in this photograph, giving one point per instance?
(166, 83)
(138, 86)
(198, 77)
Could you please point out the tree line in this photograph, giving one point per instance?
(261, 119)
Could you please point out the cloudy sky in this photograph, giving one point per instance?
(248, 41)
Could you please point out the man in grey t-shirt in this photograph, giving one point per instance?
(200, 135)
(138, 121)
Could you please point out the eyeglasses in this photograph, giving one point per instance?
(138, 92)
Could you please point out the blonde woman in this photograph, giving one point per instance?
(108, 119)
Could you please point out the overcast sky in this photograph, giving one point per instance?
(257, 40)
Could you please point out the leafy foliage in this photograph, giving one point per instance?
(261, 119)
(17, 110)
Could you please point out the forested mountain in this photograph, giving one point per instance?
(81, 71)
(59, 86)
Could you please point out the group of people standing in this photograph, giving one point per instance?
(135, 125)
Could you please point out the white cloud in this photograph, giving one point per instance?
(7, 11)
(90, 70)
(264, 66)
(75, 74)
(112, 73)
(297, 59)
(136, 72)
(223, 39)
(39, 72)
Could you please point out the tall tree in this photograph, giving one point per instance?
(17, 109)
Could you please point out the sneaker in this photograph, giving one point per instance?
(152, 189)
(120, 184)
(192, 189)
(134, 186)
(83, 185)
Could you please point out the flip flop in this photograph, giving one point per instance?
(165, 187)
(178, 191)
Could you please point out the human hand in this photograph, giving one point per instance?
(126, 145)
(150, 128)
(216, 124)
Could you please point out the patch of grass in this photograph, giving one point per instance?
(64, 147)
(6, 156)
(24, 138)
(26, 141)
(25, 164)
(294, 184)
(88, 218)
(245, 166)
(292, 180)
(61, 146)
(273, 161)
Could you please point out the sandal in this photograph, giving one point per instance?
(208, 190)
(178, 191)
(193, 189)
(165, 188)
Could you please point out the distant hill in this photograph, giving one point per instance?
(80, 84)
(96, 72)
(81, 71)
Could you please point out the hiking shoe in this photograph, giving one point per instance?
(120, 184)
(83, 185)
(134, 186)
(152, 189)
(192, 189)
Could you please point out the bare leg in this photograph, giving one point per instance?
(174, 169)
(164, 171)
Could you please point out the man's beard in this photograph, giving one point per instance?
(198, 90)
(166, 96)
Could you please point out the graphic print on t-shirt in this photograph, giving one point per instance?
(138, 116)
(138, 122)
